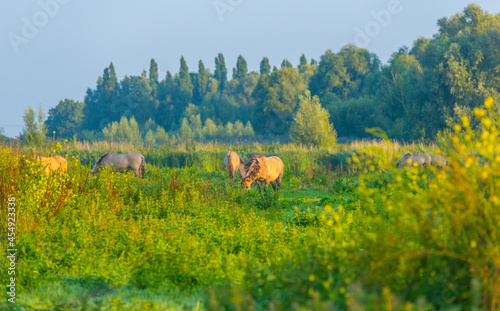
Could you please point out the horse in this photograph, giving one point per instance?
(53, 164)
(234, 163)
(438, 161)
(262, 168)
(122, 162)
(409, 160)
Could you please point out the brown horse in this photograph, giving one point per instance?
(233, 163)
(53, 164)
(261, 168)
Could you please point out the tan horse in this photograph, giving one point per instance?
(438, 161)
(261, 168)
(410, 159)
(234, 163)
(53, 164)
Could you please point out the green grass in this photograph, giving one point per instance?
(187, 237)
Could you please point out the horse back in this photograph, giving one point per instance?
(274, 166)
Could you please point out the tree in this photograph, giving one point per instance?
(275, 104)
(330, 75)
(210, 128)
(184, 83)
(142, 104)
(311, 124)
(302, 63)
(265, 67)
(286, 64)
(153, 72)
(201, 83)
(220, 72)
(99, 108)
(124, 130)
(241, 69)
(185, 130)
(35, 131)
(65, 119)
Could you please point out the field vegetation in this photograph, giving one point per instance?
(348, 231)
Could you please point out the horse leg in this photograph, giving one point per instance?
(273, 183)
(267, 184)
(258, 184)
(278, 182)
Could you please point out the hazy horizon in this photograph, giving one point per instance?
(57, 49)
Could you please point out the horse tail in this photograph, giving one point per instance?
(143, 167)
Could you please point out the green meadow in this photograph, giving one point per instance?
(348, 231)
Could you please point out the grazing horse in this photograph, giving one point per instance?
(122, 162)
(53, 164)
(438, 161)
(410, 159)
(262, 168)
(233, 163)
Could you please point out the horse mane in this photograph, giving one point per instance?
(252, 168)
(100, 160)
(255, 156)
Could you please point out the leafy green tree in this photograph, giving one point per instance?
(161, 135)
(286, 64)
(142, 104)
(311, 124)
(184, 83)
(200, 83)
(306, 71)
(302, 63)
(65, 119)
(330, 75)
(35, 131)
(351, 117)
(275, 104)
(125, 130)
(99, 108)
(220, 72)
(166, 113)
(153, 72)
(265, 67)
(185, 131)
(248, 130)
(196, 126)
(210, 128)
(219, 107)
(241, 69)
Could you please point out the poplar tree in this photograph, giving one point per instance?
(241, 69)
(220, 72)
(265, 67)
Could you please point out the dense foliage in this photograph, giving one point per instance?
(414, 96)
(367, 237)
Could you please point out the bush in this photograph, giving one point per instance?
(311, 125)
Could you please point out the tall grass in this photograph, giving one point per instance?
(359, 236)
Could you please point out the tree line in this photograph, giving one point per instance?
(420, 91)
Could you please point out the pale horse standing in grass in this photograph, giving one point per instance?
(234, 163)
(121, 162)
(261, 168)
(438, 161)
(410, 159)
(53, 164)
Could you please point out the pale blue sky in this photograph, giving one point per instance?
(52, 52)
